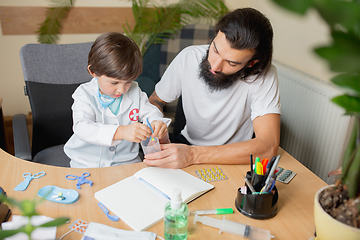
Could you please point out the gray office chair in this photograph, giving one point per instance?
(52, 73)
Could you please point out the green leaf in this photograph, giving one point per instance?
(345, 13)
(51, 27)
(208, 9)
(350, 82)
(8, 233)
(151, 19)
(298, 6)
(154, 22)
(351, 104)
(55, 222)
(10, 201)
(28, 208)
(28, 228)
(343, 54)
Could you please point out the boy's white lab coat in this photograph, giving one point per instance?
(92, 143)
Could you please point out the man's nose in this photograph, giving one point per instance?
(216, 65)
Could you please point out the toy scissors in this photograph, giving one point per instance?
(81, 179)
(28, 177)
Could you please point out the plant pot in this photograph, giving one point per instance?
(328, 228)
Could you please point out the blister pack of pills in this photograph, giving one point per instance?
(79, 226)
(284, 176)
(211, 174)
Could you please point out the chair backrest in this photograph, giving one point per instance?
(52, 72)
(194, 34)
(158, 56)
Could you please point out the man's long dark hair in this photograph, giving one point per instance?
(247, 28)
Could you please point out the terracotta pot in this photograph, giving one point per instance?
(328, 228)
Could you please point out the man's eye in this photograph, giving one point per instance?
(232, 64)
(114, 83)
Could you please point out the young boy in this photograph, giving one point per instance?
(107, 111)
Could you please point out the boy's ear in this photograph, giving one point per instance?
(91, 73)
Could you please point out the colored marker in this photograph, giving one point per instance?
(257, 160)
(264, 164)
(259, 169)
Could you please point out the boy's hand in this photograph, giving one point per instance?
(160, 129)
(135, 132)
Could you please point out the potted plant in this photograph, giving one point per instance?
(153, 21)
(337, 207)
(28, 209)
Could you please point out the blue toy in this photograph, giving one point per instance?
(81, 179)
(28, 177)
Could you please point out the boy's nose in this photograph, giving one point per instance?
(121, 89)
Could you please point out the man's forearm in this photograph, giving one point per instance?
(233, 153)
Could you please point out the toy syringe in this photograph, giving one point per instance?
(217, 211)
(232, 227)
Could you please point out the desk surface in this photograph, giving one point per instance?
(294, 219)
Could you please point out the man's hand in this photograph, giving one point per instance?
(171, 156)
(135, 132)
(264, 145)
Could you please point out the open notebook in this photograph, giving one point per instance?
(139, 205)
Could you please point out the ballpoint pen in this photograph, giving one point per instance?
(271, 162)
(154, 188)
(149, 125)
(251, 166)
(249, 185)
(267, 168)
(268, 186)
(272, 170)
(272, 185)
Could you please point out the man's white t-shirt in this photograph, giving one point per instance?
(218, 117)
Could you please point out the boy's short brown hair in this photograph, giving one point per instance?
(116, 56)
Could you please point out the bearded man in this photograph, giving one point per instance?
(229, 94)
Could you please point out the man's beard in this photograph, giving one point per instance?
(218, 81)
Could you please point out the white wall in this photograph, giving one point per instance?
(294, 39)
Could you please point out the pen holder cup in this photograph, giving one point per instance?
(258, 206)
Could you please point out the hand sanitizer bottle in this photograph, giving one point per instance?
(176, 218)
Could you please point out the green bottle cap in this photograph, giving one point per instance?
(224, 211)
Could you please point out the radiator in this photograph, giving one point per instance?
(314, 130)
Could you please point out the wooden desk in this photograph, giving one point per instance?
(294, 219)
